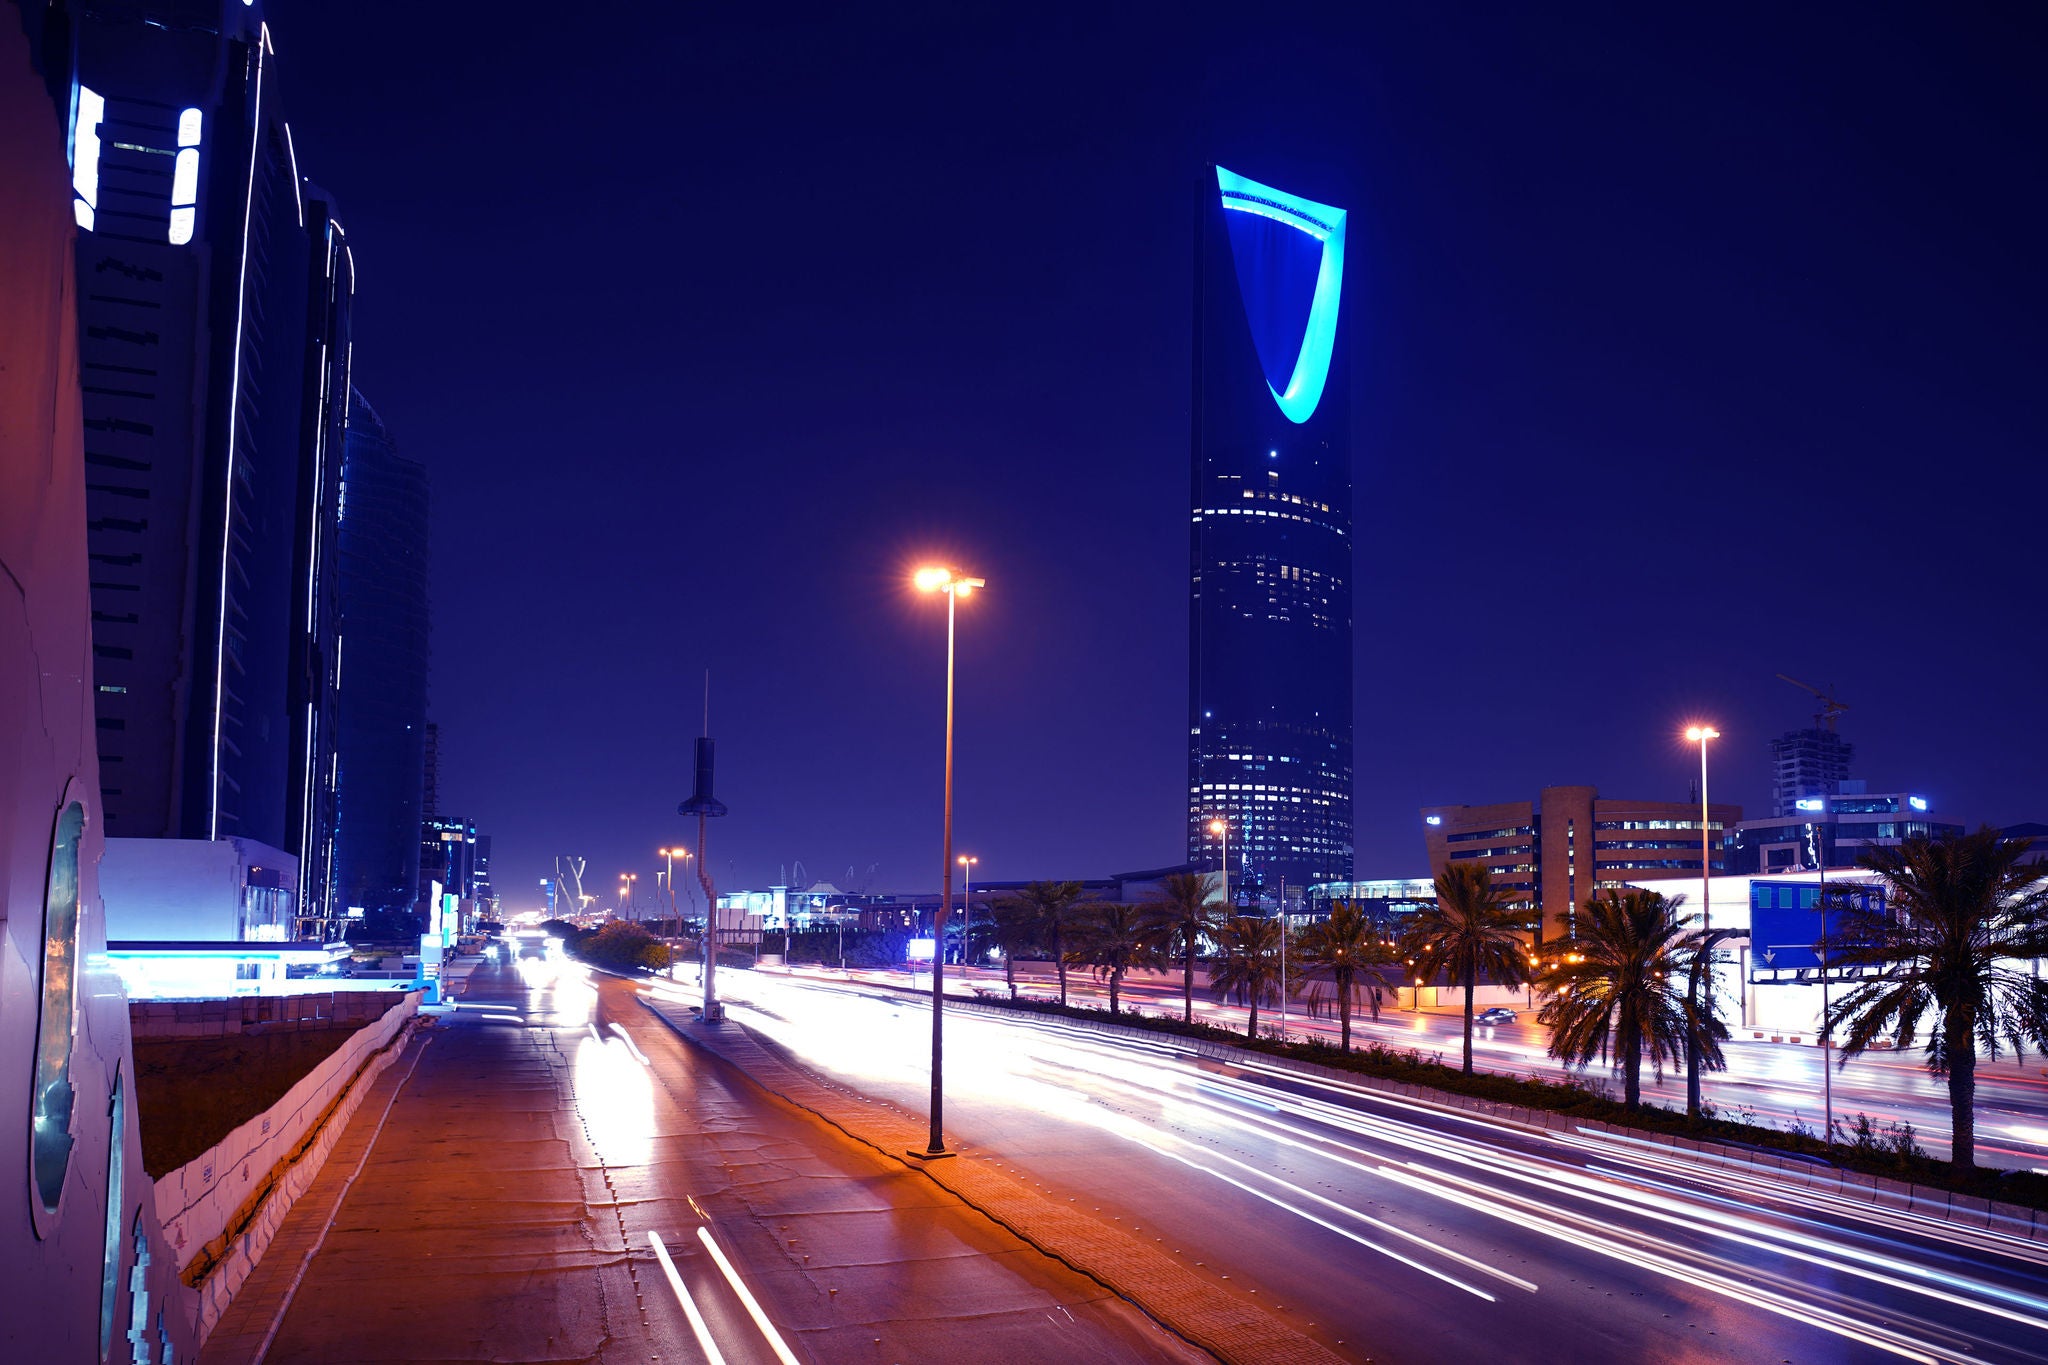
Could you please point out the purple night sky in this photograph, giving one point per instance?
(1688, 350)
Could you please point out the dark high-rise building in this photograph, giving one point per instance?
(481, 890)
(448, 848)
(1807, 765)
(1269, 697)
(214, 293)
(384, 648)
(430, 792)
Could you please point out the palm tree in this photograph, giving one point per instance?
(1176, 922)
(1955, 911)
(1349, 948)
(1248, 963)
(1112, 939)
(1618, 988)
(1013, 928)
(1047, 908)
(1474, 929)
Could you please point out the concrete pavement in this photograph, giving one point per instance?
(498, 1197)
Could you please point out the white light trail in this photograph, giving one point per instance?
(698, 1326)
(739, 1287)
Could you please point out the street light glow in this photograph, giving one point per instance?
(938, 578)
(1697, 733)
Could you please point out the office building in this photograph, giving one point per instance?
(1571, 843)
(480, 889)
(1834, 831)
(384, 649)
(448, 855)
(1389, 902)
(1807, 763)
(1269, 622)
(214, 292)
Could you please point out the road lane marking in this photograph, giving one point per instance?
(739, 1287)
(698, 1326)
(1325, 1223)
(638, 1055)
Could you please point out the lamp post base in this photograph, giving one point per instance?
(922, 1155)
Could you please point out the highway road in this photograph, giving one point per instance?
(553, 1132)
(1394, 1231)
(1775, 1084)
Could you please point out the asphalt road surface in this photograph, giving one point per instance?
(1392, 1231)
(552, 1130)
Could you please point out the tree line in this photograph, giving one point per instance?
(1933, 960)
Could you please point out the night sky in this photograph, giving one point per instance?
(1687, 350)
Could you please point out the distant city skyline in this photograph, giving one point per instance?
(1633, 389)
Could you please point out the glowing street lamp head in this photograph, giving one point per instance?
(1216, 826)
(938, 578)
(1699, 734)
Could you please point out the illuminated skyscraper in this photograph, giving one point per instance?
(214, 301)
(1269, 696)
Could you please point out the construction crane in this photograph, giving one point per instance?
(1829, 707)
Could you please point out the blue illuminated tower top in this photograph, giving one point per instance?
(1267, 300)
(1270, 649)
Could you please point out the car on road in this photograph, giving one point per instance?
(1498, 1014)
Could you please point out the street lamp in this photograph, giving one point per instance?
(955, 586)
(967, 863)
(675, 912)
(1700, 734)
(626, 880)
(1221, 829)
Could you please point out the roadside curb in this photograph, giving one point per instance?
(1167, 1291)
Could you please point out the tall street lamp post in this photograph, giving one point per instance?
(967, 862)
(955, 586)
(1700, 734)
(626, 880)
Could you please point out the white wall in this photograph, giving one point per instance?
(182, 889)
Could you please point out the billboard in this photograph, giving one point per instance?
(1785, 921)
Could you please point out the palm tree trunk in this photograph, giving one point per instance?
(1059, 958)
(1962, 1094)
(1471, 985)
(1251, 1028)
(1631, 1079)
(1115, 980)
(1010, 973)
(1344, 1010)
(1187, 985)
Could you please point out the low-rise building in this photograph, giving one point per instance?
(1570, 843)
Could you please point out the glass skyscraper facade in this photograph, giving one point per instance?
(383, 693)
(214, 297)
(1270, 658)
